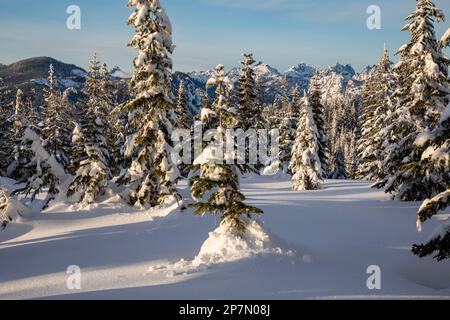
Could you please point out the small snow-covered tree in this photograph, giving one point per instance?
(318, 110)
(422, 96)
(93, 171)
(215, 182)
(78, 149)
(10, 208)
(18, 169)
(5, 217)
(48, 172)
(152, 174)
(305, 163)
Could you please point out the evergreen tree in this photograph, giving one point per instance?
(350, 153)
(18, 169)
(338, 169)
(213, 178)
(288, 119)
(422, 96)
(318, 111)
(184, 117)
(47, 171)
(113, 122)
(305, 162)
(93, 172)
(58, 123)
(10, 208)
(152, 175)
(6, 141)
(78, 150)
(250, 111)
(5, 217)
(376, 105)
(436, 163)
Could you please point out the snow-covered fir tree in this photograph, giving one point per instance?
(112, 122)
(57, 128)
(305, 163)
(250, 111)
(93, 171)
(152, 174)
(48, 173)
(318, 110)
(6, 142)
(5, 203)
(10, 208)
(376, 107)
(338, 166)
(18, 168)
(215, 182)
(421, 98)
(288, 119)
(436, 162)
(184, 117)
(78, 151)
(350, 153)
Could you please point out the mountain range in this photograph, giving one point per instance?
(336, 81)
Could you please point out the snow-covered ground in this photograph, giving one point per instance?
(309, 245)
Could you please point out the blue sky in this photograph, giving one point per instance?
(281, 33)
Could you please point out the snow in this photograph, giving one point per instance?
(423, 138)
(445, 40)
(225, 245)
(319, 246)
(79, 73)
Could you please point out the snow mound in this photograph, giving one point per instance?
(227, 245)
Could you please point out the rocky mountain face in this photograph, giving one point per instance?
(337, 81)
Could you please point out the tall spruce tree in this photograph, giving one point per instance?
(152, 174)
(250, 111)
(93, 171)
(422, 96)
(436, 163)
(214, 179)
(57, 128)
(288, 119)
(318, 110)
(305, 163)
(376, 105)
(113, 122)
